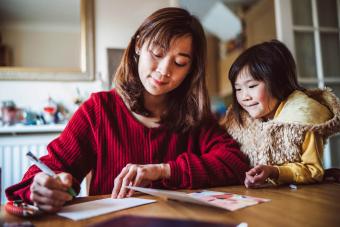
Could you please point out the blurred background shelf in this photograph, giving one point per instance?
(21, 129)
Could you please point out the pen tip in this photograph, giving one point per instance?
(30, 155)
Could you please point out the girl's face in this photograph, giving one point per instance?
(162, 71)
(253, 96)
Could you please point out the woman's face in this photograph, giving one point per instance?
(162, 71)
(254, 97)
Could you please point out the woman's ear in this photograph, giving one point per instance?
(137, 46)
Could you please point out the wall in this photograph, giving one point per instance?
(225, 88)
(260, 23)
(115, 22)
(212, 65)
(49, 48)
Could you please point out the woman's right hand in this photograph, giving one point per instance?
(50, 193)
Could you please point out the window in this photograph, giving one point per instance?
(310, 29)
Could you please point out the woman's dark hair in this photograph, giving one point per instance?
(188, 104)
(270, 62)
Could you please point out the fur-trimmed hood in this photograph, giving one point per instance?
(279, 140)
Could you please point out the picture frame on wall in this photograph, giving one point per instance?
(114, 56)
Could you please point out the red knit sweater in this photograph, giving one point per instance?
(103, 136)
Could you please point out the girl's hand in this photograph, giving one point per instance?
(50, 193)
(258, 175)
(138, 175)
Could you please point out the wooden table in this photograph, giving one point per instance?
(309, 205)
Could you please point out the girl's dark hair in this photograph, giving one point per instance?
(270, 62)
(188, 104)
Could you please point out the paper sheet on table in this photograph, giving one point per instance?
(98, 207)
(224, 200)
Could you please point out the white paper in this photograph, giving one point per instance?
(98, 207)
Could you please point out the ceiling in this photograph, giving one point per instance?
(32, 11)
(201, 7)
(219, 17)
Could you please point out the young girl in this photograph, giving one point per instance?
(155, 128)
(280, 125)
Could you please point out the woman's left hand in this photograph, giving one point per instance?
(138, 175)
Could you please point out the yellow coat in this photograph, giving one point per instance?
(293, 140)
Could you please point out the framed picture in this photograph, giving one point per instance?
(114, 56)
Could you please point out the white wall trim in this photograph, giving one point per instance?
(284, 23)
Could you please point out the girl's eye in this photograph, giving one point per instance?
(252, 86)
(238, 89)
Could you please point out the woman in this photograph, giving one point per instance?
(155, 128)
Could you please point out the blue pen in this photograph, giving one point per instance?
(46, 170)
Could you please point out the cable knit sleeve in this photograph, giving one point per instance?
(71, 152)
(216, 161)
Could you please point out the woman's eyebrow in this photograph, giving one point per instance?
(157, 44)
(185, 55)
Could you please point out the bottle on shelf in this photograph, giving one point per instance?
(50, 111)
